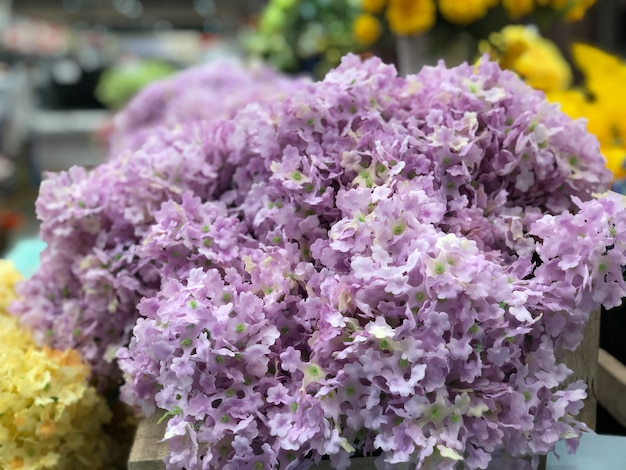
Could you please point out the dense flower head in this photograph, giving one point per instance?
(212, 91)
(411, 16)
(91, 275)
(373, 264)
(390, 270)
(49, 416)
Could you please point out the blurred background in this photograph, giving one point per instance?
(68, 66)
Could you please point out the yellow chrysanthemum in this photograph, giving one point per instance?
(50, 417)
(406, 17)
(464, 11)
(373, 6)
(366, 29)
(543, 67)
(538, 60)
(9, 276)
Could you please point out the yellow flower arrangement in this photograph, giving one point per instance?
(465, 11)
(572, 10)
(9, 276)
(408, 17)
(49, 417)
(538, 60)
(411, 16)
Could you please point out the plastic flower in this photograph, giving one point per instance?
(92, 275)
(206, 92)
(366, 29)
(464, 11)
(9, 277)
(407, 17)
(385, 271)
(536, 59)
(49, 416)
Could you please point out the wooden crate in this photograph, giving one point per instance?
(611, 386)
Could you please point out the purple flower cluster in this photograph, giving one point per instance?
(392, 270)
(373, 264)
(216, 90)
(93, 272)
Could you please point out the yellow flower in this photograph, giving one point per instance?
(518, 8)
(9, 276)
(544, 68)
(464, 11)
(373, 6)
(408, 17)
(49, 415)
(366, 29)
(615, 159)
(538, 60)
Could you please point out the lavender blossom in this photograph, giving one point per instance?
(208, 92)
(373, 264)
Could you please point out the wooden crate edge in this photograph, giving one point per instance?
(611, 385)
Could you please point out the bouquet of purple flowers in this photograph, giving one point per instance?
(374, 265)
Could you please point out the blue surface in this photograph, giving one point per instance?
(25, 255)
(595, 452)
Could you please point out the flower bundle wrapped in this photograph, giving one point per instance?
(374, 264)
(395, 267)
(49, 417)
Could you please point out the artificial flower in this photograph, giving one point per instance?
(49, 415)
(464, 11)
(538, 60)
(92, 274)
(372, 264)
(407, 17)
(205, 92)
(366, 29)
(9, 277)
